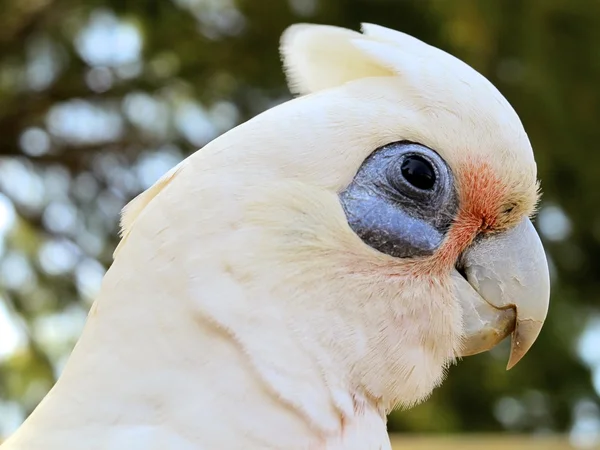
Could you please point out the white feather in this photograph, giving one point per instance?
(241, 311)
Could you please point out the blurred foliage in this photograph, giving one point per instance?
(478, 442)
(99, 98)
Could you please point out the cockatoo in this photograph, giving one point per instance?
(319, 265)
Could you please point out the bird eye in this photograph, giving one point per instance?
(418, 172)
(413, 172)
(402, 200)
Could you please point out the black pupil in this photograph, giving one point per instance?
(418, 172)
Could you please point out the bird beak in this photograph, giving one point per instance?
(504, 288)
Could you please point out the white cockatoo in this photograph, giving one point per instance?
(315, 267)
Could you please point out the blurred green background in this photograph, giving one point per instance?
(99, 98)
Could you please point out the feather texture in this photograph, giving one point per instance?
(241, 310)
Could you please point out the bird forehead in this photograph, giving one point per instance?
(437, 79)
(462, 114)
(473, 128)
(470, 114)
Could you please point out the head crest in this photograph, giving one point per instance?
(318, 57)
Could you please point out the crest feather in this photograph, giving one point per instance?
(317, 57)
(403, 41)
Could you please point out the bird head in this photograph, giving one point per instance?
(316, 266)
(451, 184)
(455, 188)
(382, 218)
